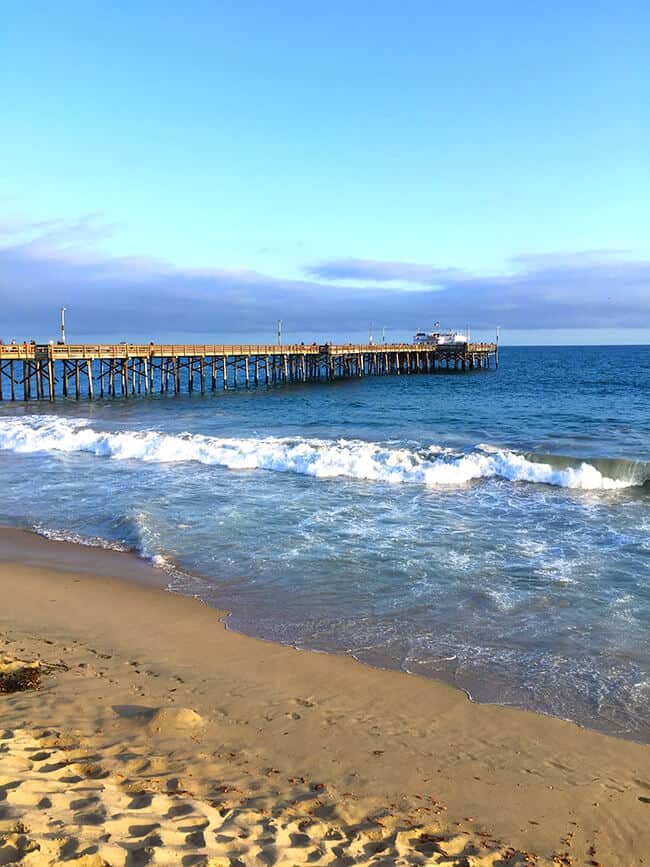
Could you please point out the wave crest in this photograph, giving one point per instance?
(321, 458)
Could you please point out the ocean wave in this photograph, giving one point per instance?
(321, 458)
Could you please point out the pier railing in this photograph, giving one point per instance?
(138, 350)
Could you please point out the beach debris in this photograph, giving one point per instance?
(19, 676)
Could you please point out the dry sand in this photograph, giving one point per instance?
(158, 736)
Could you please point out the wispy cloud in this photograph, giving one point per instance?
(578, 258)
(381, 271)
(11, 226)
(57, 263)
(55, 234)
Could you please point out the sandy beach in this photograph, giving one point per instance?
(158, 736)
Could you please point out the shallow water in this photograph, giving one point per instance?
(489, 528)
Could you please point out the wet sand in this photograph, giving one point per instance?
(158, 736)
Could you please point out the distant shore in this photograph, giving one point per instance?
(151, 698)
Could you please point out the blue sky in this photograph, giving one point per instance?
(212, 166)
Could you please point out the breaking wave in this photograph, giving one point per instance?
(321, 458)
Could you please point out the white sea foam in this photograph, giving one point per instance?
(56, 535)
(351, 459)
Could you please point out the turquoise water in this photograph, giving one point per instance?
(491, 529)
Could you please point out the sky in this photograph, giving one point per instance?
(199, 170)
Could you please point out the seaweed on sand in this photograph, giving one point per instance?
(20, 679)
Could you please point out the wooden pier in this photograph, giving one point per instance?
(45, 371)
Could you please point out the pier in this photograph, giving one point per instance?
(46, 371)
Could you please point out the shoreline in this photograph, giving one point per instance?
(31, 547)
(384, 750)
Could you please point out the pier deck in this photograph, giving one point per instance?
(45, 371)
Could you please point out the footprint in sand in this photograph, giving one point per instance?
(98, 818)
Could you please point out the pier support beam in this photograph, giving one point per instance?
(89, 373)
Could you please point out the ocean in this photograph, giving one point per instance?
(489, 529)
